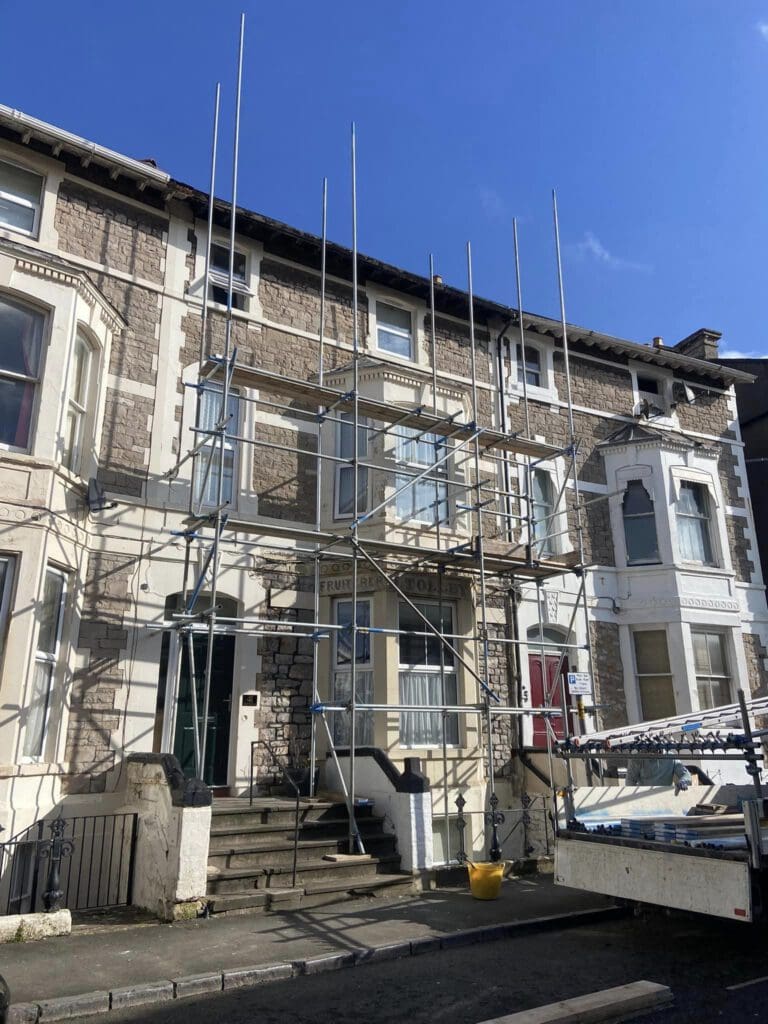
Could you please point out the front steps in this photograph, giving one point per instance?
(250, 859)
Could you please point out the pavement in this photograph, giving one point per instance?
(133, 954)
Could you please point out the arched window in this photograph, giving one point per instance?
(21, 343)
(639, 525)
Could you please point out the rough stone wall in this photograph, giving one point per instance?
(741, 549)
(708, 415)
(596, 533)
(125, 441)
(92, 715)
(116, 234)
(285, 480)
(609, 674)
(730, 479)
(291, 296)
(453, 350)
(757, 659)
(285, 682)
(595, 385)
(501, 679)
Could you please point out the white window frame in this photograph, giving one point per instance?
(411, 335)
(201, 459)
(51, 658)
(665, 381)
(9, 375)
(11, 197)
(559, 539)
(430, 514)
(430, 670)
(725, 647)
(545, 390)
(217, 279)
(9, 561)
(339, 467)
(73, 460)
(651, 628)
(635, 562)
(346, 666)
(710, 519)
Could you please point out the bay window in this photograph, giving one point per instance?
(50, 616)
(21, 343)
(427, 675)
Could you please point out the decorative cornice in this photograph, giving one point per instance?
(43, 265)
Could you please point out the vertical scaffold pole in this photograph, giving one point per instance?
(318, 494)
(572, 432)
(479, 516)
(218, 519)
(356, 500)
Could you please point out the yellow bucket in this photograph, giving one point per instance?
(485, 879)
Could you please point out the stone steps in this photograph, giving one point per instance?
(250, 864)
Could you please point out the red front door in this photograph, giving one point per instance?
(546, 697)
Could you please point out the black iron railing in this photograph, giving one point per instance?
(297, 796)
(83, 863)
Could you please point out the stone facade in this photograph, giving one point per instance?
(132, 253)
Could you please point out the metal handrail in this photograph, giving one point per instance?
(287, 776)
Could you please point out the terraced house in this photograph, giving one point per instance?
(102, 271)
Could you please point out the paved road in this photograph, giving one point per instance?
(698, 958)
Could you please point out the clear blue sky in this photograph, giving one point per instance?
(649, 118)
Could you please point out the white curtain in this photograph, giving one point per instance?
(424, 728)
(342, 694)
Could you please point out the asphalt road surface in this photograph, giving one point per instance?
(699, 958)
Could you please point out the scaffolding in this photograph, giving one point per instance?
(477, 524)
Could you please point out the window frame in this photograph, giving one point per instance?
(546, 546)
(664, 394)
(669, 674)
(645, 515)
(6, 592)
(38, 207)
(73, 461)
(708, 520)
(220, 280)
(343, 419)
(36, 380)
(727, 678)
(234, 393)
(50, 658)
(362, 665)
(540, 371)
(452, 720)
(379, 300)
(403, 441)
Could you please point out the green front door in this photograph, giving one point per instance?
(219, 708)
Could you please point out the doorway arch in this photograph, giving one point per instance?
(547, 670)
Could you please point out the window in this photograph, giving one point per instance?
(208, 460)
(342, 674)
(20, 192)
(542, 510)
(345, 475)
(693, 523)
(648, 385)
(77, 410)
(48, 643)
(425, 501)
(532, 365)
(6, 584)
(219, 277)
(639, 525)
(713, 681)
(21, 342)
(421, 678)
(654, 677)
(653, 390)
(394, 330)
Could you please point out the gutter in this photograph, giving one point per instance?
(89, 152)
